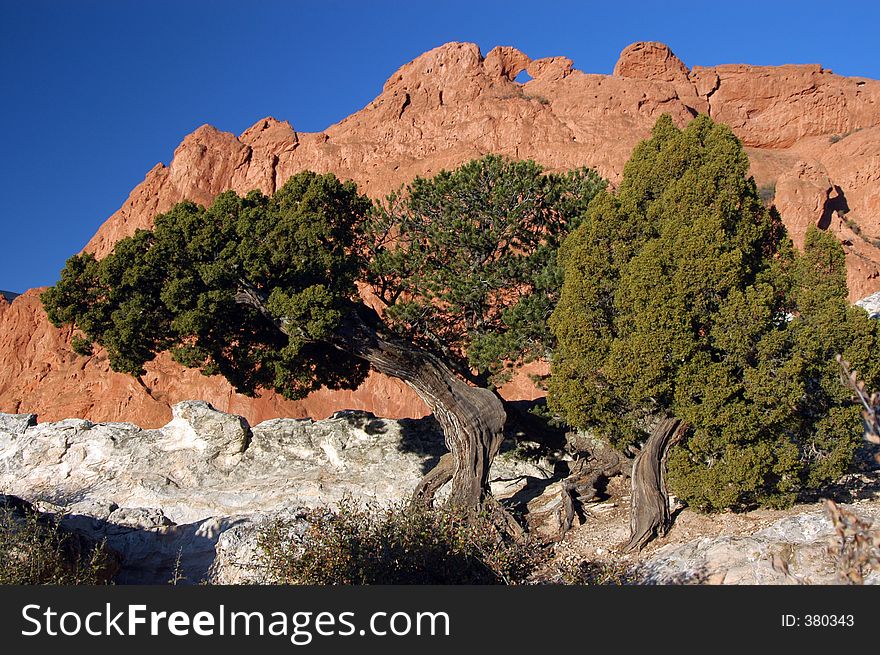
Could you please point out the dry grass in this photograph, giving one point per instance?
(857, 547)
(367, 544)
(35, 550)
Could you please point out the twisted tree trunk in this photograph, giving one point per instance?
(472, 418)
(649, 513)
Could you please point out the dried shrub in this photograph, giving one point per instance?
(856, 548)
(587, 572)
(870, 402)
(402, 544)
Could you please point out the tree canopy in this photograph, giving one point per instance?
(465, 261)
(263, 290)
(684, 298)
(174, 288)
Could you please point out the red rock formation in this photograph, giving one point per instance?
(44, 376)
(812, 134)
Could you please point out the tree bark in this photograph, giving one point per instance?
(649, 513)
(434, 480)
(472, 418)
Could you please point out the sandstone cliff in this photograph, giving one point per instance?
(813, 138)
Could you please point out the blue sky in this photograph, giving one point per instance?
(95, 93)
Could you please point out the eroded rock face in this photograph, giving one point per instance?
(154, 493)
(812, 136)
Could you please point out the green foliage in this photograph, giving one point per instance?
(466, 261)
(81, 346)
(36, 551)
(366, 544)
(174, 288)
(683, 296)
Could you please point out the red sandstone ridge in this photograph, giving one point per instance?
(44, 376)
(813, 138)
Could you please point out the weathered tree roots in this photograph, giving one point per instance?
(426, 491)
(583, 484)
(432, 482)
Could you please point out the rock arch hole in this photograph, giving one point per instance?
(523, 77)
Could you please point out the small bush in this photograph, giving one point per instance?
(834, 138)
(34, 550)
(596, 574)
(366, 544)
(81, 346)
(856, 547)
(540, 99)
(767, 193)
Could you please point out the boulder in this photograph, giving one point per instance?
(17, 423)
(871, 304)
(797, 549)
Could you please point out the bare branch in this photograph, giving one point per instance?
(871, 402)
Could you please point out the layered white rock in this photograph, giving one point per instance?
(794, 550)
(871, 304)
(159, 494)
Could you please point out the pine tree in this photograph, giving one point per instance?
(465, 262)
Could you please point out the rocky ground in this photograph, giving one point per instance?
(187, 500)
(792, 546)
(163, 498)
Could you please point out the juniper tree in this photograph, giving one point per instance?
(263, 291)
(687, 316)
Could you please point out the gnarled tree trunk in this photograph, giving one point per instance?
(649, 512)
(472, 418)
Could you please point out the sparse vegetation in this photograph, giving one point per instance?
(586, 572)
(767, 193)
(869, 402)
(540, 99)
(834, 138)
(856, 548)
(857, 230)
(402, 544)
(35, 550)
